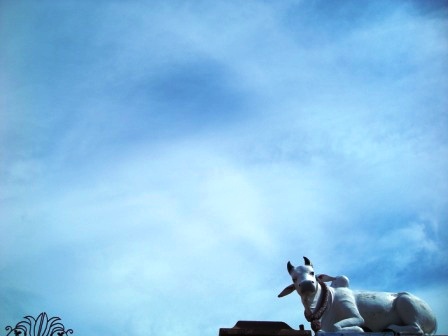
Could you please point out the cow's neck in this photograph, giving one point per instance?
(316, 305)
(310, 301)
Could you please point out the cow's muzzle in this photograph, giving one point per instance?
(307, 286)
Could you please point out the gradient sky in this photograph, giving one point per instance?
(161, 161)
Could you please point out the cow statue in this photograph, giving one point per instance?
(337, 308)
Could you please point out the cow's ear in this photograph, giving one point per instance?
(287, 290)
(325, 278)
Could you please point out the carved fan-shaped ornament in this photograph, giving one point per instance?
(40, 326)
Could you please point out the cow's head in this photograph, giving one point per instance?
(303, 280)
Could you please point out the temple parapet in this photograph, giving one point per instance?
(263, 328)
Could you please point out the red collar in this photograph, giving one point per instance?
(315, 316)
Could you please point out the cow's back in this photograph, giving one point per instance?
(377, 309)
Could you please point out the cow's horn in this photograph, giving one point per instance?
(307, 262)
(290, 267)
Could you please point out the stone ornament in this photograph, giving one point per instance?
(40, 326)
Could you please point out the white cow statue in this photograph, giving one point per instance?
(337, 308)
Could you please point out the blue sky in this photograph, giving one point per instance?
(160, 162)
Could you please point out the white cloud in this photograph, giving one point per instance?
(403, 244)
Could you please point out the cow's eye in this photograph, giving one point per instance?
(312, 273)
